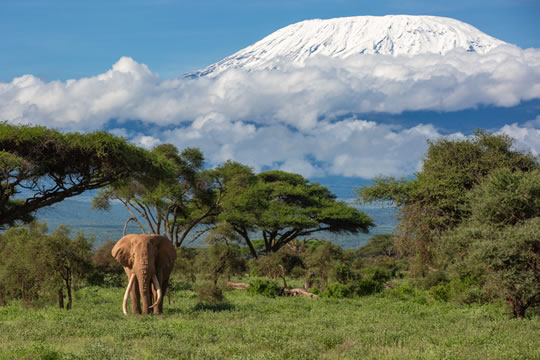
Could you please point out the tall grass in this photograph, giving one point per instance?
(257, 327)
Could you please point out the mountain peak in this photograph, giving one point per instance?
(348, 36)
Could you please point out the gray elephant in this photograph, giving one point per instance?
(147, 260)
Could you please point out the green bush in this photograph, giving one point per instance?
(297, 272)
(377, 274)
(266, 288)
(378, 245)
(343, 273)
(337, 290)
(409, 293)
(441, 292)
(433, 279)
(114, 280)
(209, 293)
(364, 287)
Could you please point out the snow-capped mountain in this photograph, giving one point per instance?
(344, 37)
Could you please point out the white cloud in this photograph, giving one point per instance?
(293, 119)
(146, 141)
(295, 96)
(350, 147)
(533, 123)
(526, 139)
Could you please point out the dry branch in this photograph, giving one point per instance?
(285, 291)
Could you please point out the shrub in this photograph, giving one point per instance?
(104, 261)
(266, 288)
(266, 266)
(433, 279)
(343, 273)
(298, 272)
(209, 293)
(337, 290)
(407, 292)
(378, 245)
(365, 287)
(441, 292)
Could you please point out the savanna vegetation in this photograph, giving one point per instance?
(470, 221)
(459, 278)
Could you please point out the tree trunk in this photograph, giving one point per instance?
(60, 298)
(68, 286)
(2, 297)
(518, 307)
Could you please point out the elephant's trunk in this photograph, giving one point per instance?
(144, 276)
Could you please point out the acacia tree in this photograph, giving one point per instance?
(437, 199)
(40, 167)
(173, 206)
(282, 207)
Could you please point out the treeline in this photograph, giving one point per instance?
(39, 268)
(469, 220)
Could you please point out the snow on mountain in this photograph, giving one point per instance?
(344, 37)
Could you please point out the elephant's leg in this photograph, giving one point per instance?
(158, 309)
(135, 298)
(164, 290)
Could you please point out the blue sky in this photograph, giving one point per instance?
(61, 39)
(117, 65)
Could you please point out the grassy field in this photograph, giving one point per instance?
(266, 328)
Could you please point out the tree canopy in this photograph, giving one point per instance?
(280, 207)
(34, 264)
(438, 198)
(40, 167)
(472, 214)
(173, 206)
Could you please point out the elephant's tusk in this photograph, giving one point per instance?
(158, 290)
(128, 289)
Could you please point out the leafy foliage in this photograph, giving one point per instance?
(378, 245)
(507, 198)
(266, 288)
(35, 266)
(437, 199)
(173, 206)
(40, 167)
(283, 207)
(513, 256)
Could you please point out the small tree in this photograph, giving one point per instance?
(34, 264)
(512, 257)
(67, 259)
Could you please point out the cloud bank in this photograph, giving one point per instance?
(294, 119)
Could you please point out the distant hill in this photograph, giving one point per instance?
(77, 212)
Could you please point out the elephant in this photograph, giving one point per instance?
(147, 260)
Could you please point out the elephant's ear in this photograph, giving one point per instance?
(166, 252)
(122, 252)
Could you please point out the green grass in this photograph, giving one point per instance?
(266, 328)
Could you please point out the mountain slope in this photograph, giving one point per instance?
(344, 37)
